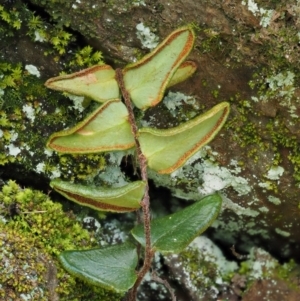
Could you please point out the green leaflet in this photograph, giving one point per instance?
(147, 79)
(106, 129)
(173, 233)
(112, 268)
(97, 82)
(185, 70)
(167, 150)
(115, 199)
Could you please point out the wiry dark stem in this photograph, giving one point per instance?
(146, 200)
(156, 278)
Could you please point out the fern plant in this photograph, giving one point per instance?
(112, 127)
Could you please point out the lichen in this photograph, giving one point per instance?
(265, 14)
(148, 39)
(202, 175)
(202, 268)
(260, 265)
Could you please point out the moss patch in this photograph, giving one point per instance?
(35, 230)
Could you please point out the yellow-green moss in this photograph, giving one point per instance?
(34, 231)
(249, 133)
(23, 267)
(23, 137)
(52, 111)
(81, 165)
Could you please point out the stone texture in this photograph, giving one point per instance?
(236, 44)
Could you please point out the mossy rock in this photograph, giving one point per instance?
(239, 60)
(34, 231)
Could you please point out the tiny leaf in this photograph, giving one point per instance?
(115, 199)
(97, 82)
(166, 150)
(147, 79)
(106, 129)
(112, 268)
(174, 232)
(185, 70)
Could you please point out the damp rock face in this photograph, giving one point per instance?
(247, 53)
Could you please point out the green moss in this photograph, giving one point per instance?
(56, 39)
(205, 276)
(65, 12)
(22, 267)
(81, 167)
(210, 40)
(203, 268)
(249, 133)
(246, 132)
(35, 230)
(86, 57)
(264, 266)
(21, 18)
(24, 135)
(290, 272)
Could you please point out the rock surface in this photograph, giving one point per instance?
(247, 53)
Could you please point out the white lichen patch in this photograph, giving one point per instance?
(260, 263)
(52, 173)
(116, 157)
(13, 150)
(55, 173)
(216, 178)
(148, 39)
(267, 185)
(265, 14)
(139, 3)
(237, 209)
(28, 149)
(174, 100)
(33, 70)
(274, 200)
(29, 112)
(38, 37)
(40, 167)
(263, 209)
(113, 176)
(77, 102)
(275, 172)
(48, 152)
(202, 175)
(281, 85)
(282, 232)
